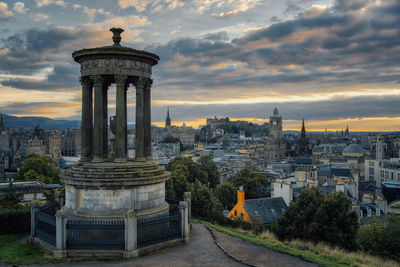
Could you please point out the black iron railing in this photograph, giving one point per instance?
(173, 204)
(46, 227)
(158, 229)
(95, 234)
(51, 208)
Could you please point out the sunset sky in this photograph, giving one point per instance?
(333, 63)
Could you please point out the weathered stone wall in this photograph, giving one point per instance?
(100, 201)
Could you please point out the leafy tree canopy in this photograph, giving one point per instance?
(205, 171)
(318, 218)
(381, 238)
(42, 168)
(178, 183)
(10, 199)
(226, 194)
(204, 204)
(170, 139)
(207, 165)
(252, 180)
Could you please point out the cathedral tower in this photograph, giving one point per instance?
(275, 128)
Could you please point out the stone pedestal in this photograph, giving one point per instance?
(113, 188)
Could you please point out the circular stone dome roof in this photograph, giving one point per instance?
(115, 51)
(354, 148)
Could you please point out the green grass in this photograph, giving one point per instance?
(12, 251)
(321, 254)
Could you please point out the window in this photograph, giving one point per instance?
(371, 172)
(235, 213)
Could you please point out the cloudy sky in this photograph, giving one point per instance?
(332, 62)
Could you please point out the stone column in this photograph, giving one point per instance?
(187, 196)
(130, 235)
(106, 84)
(98, 135)
(147, 119)
(87, 119)
(183, 210)
(60, 235)
(139, 155)
(121, 127)
(34, 210)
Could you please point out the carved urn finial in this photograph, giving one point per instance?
(116, 35)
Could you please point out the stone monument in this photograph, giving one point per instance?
(107, 184)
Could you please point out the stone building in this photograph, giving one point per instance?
(4, 136)
(382, 171)
(275, 145)
(35, 146)
(54, 145)
(11, 160)
(185, 134)
(70, 143)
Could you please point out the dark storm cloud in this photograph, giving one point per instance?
(32, 50)
(219, 36)
(357, 107)
(62, 76)
(359, 47)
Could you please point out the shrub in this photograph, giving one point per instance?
(15, 221)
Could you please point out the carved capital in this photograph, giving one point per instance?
(140, 82)
(97, 80)
(121, 80)
(85, 81)
(131, 214)
(148, 83)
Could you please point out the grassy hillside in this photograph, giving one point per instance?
(320, 253)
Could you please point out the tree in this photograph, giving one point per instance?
(226, 194)
(381, 237)
(10, 199)
(207, 165)
(252, 180)
(170, 139)
(337, 223)
(297, 220)
(318, 218)
(42, 168)
(195, 170)
(201, 199)
(178, 183)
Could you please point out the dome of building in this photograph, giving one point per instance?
(354, 148)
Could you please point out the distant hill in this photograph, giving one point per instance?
(31, 122)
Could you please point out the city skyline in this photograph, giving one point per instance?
(334, 63)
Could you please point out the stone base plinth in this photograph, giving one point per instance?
(110, 189)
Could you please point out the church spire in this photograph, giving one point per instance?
(2, 126)
(347, 130)
(168, 119)
(303, 130)
(276, 112)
